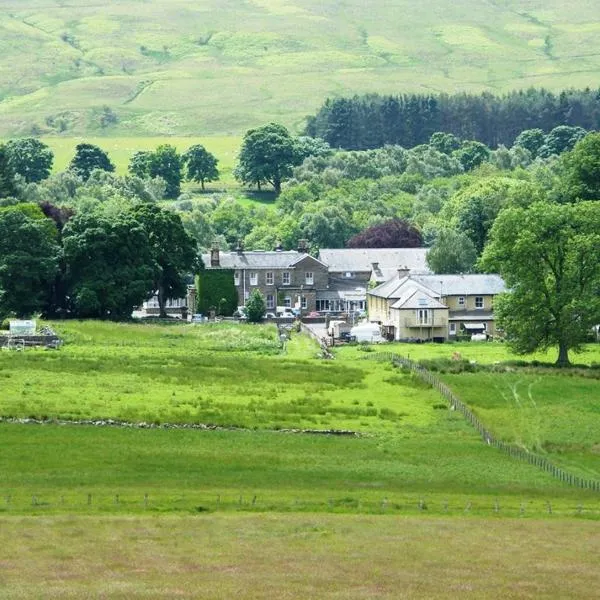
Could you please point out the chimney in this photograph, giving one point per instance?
(403, 272)
(214, 256)
(375, 266)
(240, 246)
(303, 246)
(278, 246)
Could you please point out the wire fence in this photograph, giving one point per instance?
(82, 502)
(456, 404)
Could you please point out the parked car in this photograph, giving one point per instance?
(270, 315)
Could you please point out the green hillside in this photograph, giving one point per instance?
(202, 67)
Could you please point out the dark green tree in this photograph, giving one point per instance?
(201, 164)
(561, 139)
(164, 162)
(109, 266)
(139, 164)
(549, 257)
(28, 259)
(30, 158)
(471, 154)
(532, 140)
(452, 252)
(87, 158)
(7, 174)
(255, 307)
(581, 177)
(446, 143)
(267, 155)
(173, 252)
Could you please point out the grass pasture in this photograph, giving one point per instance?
(121, 149)
(410, 445)
(218, 68)
(218, 557)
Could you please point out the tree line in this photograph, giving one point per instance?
(373, 120)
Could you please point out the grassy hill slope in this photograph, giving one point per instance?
(182, 67)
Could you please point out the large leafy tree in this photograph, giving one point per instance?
(30, 158)
(581, 178)
(164, 162)
(395, 233)
(267, 155)
(108, 265)
(173, 252)
(549, 256)
(87, 158)
(28, 259)
(452, 252)
(201, 164)
(7, 174)
(561, 139)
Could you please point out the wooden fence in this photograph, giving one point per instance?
(456, 404)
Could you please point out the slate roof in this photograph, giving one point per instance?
(442, 285)
(256, 259)
(362, 259)
(415, 298)
(463, 285)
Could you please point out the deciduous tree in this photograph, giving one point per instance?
(201, 165)
(267, 155)
(452, 252)
(549, 256)
(173, 252)
(87, 158)
(28, 259)
(30, 158)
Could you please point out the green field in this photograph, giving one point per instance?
(175, 67)
(413, 504)
(409, 446)
(219, 557)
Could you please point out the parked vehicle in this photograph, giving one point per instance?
(367, 332)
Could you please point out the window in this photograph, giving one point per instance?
(287, 302)
(309, 278)
(270, 301)
(303, 304)
(285, 278)
(269, 279)
(478, 301)
(424, 316)
(452, 328)
(461, 301)
(323, 305)
(253, 278)
(236, 278)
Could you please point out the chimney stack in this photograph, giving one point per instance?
(303, 246)
(403, 272)
(214, 255)
(240, 246)
(278, 246)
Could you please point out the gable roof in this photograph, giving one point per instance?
(438, 286)
(256, 259)
(415, 298)
(463, 285)
(362, 259)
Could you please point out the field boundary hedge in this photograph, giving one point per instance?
(456, 404)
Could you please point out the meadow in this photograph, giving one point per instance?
(217, 68)
(302, 556)
(407, 447)
(412, 504)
